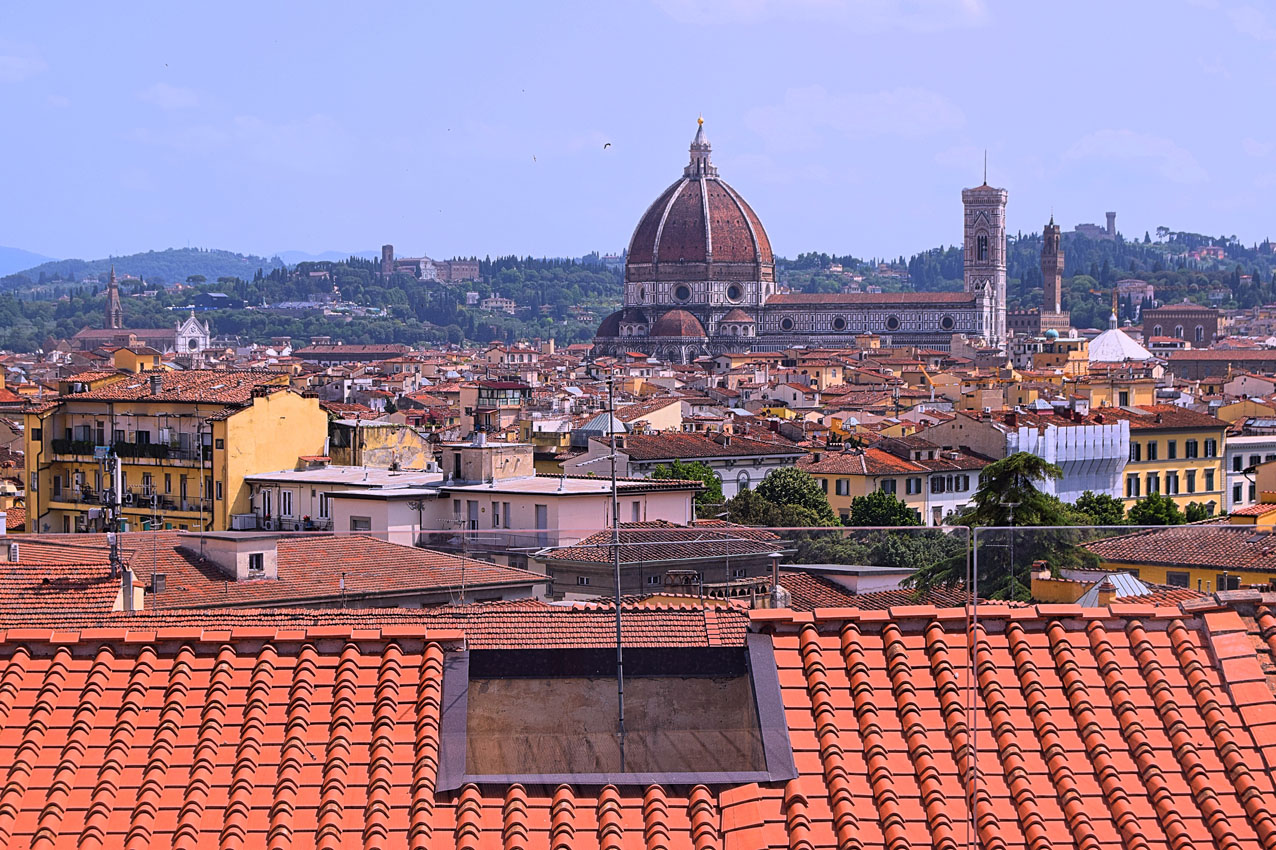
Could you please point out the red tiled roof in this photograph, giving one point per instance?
(660, 541)
(1254, 510)
(809, 592)
(668, 445)
(311, 568)
(1220, 547)
(1131, 726)
(817, 298)
(196, 385)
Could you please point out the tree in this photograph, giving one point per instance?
(195, 279)
(1101, 508)
(1008, 499)
(1197, 511)
(793, 487)
(880, 508)
(1155, 509)
(708, 500)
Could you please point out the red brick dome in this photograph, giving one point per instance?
(700, 220)
(677, 323)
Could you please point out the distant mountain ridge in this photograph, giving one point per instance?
(16, 259)
(167, 266)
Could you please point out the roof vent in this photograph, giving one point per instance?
(13, 553)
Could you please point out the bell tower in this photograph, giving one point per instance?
(984, 255)
(114, 312)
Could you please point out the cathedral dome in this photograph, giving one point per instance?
(610, 326)
(700, 221)
(677, 323)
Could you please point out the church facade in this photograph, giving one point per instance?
(700, 280)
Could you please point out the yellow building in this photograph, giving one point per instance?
(1173, 451)
(1113, 391)
(185, 441)
(1217, 556)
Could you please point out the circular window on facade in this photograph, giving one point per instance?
(734, 292)
(642, 293)
(892, 323)
(947, 323)
(786, 324)
(682, 292)
(839, 323)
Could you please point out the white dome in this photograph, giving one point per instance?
(1115, 346)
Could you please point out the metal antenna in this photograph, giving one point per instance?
(985, 166)
(615, 549)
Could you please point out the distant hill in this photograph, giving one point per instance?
(294, 257)
(168, 266)
(15, 259)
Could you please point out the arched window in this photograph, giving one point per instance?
(1156, 330)
(1200, 333)
(742, 480)
(1178, 331)
(982, 252)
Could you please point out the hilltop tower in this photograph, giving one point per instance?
(984, 256)
(387, 260)
(114, 312)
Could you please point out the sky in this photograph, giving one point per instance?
(547, 128)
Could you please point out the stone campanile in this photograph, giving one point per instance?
(1051, 269)
(984, 251)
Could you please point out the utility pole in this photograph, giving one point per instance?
(615, 554)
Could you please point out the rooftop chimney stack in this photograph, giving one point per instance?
(157, 383)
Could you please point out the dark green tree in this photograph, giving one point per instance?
(1197, 511)
(1100, 508)
(793, 487)
(1010, 506)
(1155, 509)
(881, 509)
(709, 500)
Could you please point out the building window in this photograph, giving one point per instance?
(496, 514)
(1132, 486)
(360, 523)
(739, 572)
(1191, 481)
(582, 581)
(1237, 463)
(285, 503)
(937, 484)
(1175, 578)
(323, 504)
(913, 486)
(892, 323)
(888, 486)
(1152, 450)
(1178, 331)
(1171, 449)
(1236, 494)
(1171, 483)
(220, 443)
(1157, 330)
(981, 250)
(1200, 334)
(1136, 452)
(1190, 449)
(843, 487)
(1253, 492)
(1209, 480)
(219, 491)
(786, 324)
(1211, 448)
(1154, 483)
(1255, 460)
(824, 485)
(1123, 398)
(742, 481)
(1228, 582)
(635, 513)
(256, 562)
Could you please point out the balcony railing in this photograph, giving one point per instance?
(134, 451)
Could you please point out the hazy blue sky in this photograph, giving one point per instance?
(462, 128)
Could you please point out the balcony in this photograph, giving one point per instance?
(135, 453)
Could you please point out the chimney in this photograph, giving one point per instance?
(126, 588)
(158, 582)
(13, 553)
(157, 381)
(1012, 419)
